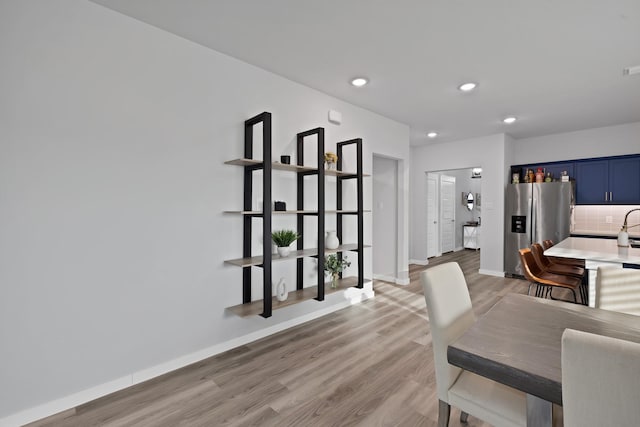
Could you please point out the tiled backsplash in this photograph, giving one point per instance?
(604, 219)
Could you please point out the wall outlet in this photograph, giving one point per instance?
(608, 219)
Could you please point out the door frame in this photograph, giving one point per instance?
(396, 214)
(452, 179)
(436, 234)
(401, 240)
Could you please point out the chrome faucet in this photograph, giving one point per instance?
(623, 235)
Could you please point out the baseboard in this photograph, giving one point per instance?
(351, 296)
(491, 272)
(384, 277)
(58, 405)
(419, 261)
(391, 279)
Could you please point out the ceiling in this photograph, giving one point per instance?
(556, 65)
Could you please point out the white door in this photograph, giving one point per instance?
(432, 216)
(447, 213)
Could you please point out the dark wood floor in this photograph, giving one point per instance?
(368, 365)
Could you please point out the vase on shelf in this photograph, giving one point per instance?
(284, 251)
(330, 165)
(331, 241)
(281, 290)
(334, 280)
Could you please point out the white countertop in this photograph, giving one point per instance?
(594, 249)
(633, 234)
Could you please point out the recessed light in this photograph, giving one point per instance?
(466, 87)
(509, 120)
(432, 134)
(359, 81)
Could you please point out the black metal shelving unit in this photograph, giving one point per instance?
(319, 132)
(266, 166)
(251, 165)
(357, 142)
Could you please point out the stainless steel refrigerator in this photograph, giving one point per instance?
(533, 213)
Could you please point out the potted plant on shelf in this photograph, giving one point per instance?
(334, 266)
(283, 239)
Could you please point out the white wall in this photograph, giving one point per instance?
(486, 152)
(112, 185)
(597, 142)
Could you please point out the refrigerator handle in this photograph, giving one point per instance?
(534, 220)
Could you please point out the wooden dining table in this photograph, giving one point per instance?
(518, 343)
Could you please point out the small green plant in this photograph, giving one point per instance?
(283, 238)
(334, 266)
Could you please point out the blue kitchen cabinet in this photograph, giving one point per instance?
(556, 169)
(624, 181)
(592, 182)
(608, 181)
(598, 181)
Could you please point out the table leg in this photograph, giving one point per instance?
(539, 412)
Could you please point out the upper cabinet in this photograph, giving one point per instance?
(554, 168)
(608, 181)
(599, 181)
(624, 181)
(592, 182)
(557, 168)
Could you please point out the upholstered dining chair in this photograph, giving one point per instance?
(600, 384)
(450, 315)
(618, 289)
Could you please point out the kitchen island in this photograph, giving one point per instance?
(596, 253)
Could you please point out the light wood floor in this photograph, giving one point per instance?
(368, 365)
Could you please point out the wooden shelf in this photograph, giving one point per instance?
(258, 260)
(291, 168)
(347, 212)
(333, 172)
(272, 212)
(259, 213)
(255, 308)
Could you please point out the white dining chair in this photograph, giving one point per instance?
(618, 289)
(600, 384)
(450, 315)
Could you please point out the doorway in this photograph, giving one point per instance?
(448, 212)
(385, 218)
